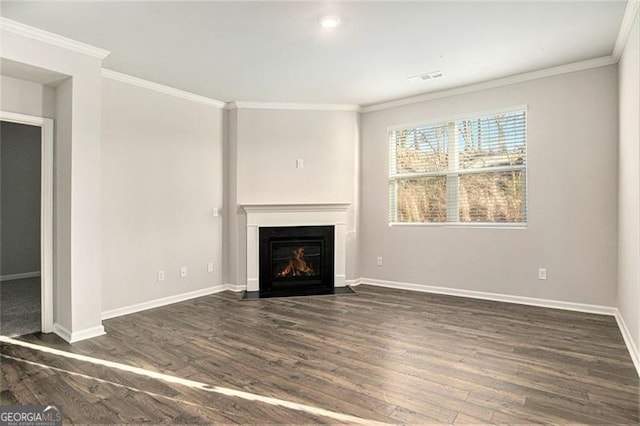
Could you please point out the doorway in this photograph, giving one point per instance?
(26, 212)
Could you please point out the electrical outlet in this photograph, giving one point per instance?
(379, 261)
(183, 271)
(210, 267)
(542, 273)
(160, 275)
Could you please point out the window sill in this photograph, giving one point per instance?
(461, 225)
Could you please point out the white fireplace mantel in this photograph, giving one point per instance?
(302, 214)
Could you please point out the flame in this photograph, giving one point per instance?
(296, 266)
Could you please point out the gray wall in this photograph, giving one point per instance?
(20, 159)
(27, 97)
(235, 246)
(629, 186)
(161, 178)
(572, 190)
(262, 148)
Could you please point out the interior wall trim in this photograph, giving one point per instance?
(292, 106)
(51, 38)
(20, 276)
(76, 336)
(628, 340)
(235, 287)
(156, 303)
(630, 14)
(62, 331)
(135, 81)
(497, 297)
(531, 301)
(87, 333)
(490, 84)
(46, 211)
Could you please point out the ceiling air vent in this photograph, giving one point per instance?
(426, 76)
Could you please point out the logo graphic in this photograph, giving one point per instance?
(31, 415)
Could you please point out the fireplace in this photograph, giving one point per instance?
(296, 260)
(262, 216)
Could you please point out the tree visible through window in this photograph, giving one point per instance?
(459, 171)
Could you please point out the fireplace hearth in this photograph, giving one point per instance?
(296, 260)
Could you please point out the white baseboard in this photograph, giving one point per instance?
(77, 336)
(87, 333)
(62, 332)
(112, 313)
(235, 287)
(532, 301)
(628, 340)
(20, 276)
(545, 303)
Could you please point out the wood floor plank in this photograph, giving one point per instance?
(406, 416)
(464, 419)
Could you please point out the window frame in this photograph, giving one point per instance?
(449, 174)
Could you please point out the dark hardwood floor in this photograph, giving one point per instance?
(380, 355)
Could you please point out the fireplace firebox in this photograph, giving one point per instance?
(296, 260)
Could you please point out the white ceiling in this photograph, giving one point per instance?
(272, 51)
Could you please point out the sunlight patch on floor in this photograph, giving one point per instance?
(190, 383)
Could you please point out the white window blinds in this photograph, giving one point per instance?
(460, 171)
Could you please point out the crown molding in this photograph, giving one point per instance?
(490, 84)
(292, 106)
(135, 81)
(630, 14)
(51, 38)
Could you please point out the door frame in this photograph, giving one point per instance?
(46, 210)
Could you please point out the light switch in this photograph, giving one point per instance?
(300, 163)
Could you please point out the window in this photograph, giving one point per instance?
(470, 170)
